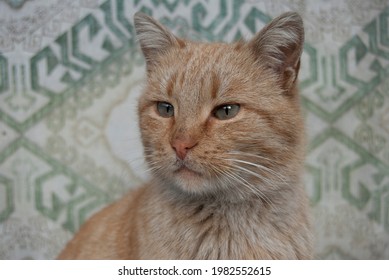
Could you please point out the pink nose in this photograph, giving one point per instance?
(182, 146)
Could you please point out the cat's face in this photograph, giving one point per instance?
(216, 118)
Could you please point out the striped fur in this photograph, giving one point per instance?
(235, 191)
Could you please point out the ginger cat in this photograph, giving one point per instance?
(223, 136)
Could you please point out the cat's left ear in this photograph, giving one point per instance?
(154, 38)
(279, 46)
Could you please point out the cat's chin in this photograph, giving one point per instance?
(187, 174)
(190, 181)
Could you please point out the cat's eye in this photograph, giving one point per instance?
(226, 112)
(165, 110)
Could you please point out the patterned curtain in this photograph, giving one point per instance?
(70, 75)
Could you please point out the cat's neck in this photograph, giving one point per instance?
(224, 202)
(211, 228)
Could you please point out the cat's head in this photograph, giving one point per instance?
(223, 119)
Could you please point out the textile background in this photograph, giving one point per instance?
(70, 74)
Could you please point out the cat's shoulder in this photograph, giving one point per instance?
(100, 236)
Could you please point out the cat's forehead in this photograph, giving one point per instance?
(201, 58)
(203, 69)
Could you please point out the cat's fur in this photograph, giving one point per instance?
(220, 189)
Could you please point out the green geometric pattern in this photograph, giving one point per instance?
(70, 73)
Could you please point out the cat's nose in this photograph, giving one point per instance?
(182, 145)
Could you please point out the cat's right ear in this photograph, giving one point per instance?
(154, 38)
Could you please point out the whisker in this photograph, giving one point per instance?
(271, 160)
(264, 168)
(242, 155)
(253, 189)
(224, 175)
(262, 178)
(237, 179)
(133, 160)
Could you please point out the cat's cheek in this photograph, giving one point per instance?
(153, 125)
(154, 140)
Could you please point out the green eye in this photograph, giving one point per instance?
(165, 110)
(226, 112)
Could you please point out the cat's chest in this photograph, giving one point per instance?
(215, 232)
(220, 236)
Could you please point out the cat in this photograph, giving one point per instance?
(223, 136)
